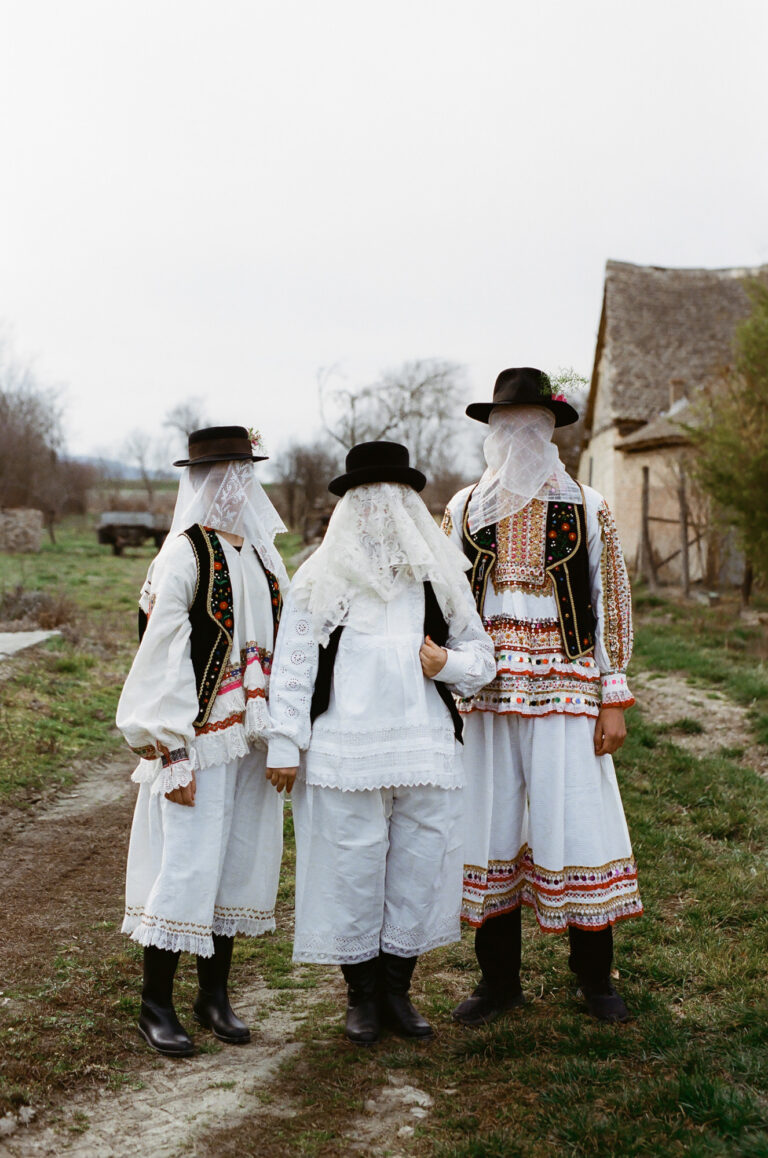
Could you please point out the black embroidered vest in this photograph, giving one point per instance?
(566, 562)
(434, 626)
(212, 616)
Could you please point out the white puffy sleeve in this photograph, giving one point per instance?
(611, 601)
(159, 701)
(471, 662)
(294, 671)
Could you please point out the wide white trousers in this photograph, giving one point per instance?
(212, 868)
(545, 825)
(378, 869)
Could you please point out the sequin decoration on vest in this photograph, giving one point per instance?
(566, 562)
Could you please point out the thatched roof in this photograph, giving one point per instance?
(665, 430)
(664, 333)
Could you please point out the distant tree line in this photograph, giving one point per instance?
(34, 471)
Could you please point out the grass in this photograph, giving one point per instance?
(689, 1076)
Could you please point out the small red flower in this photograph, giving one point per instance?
(565, 527)
(217, 566)
(217, 614)
(572, 536)
(223, 605)
(227, 622)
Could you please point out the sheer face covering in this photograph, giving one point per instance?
(378, 535)
(522, 464)
(227, 497)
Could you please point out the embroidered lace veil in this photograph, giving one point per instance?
(378, 535)
(228, 497)
(522, 464)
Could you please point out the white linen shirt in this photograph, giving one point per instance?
(386, 725)
(159, 700)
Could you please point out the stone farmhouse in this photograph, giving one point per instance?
(665, 334)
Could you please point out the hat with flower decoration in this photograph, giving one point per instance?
(524, 386)
(223, 444)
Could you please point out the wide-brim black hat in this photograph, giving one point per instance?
(220, 444)
(376, 462)
(524, 386)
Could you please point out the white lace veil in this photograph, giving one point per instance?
(227, 497)
(377, 534)
(523, 464)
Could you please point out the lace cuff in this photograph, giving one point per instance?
(177, 772)
(616, 693)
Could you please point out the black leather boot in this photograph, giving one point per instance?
(397, 1012)
(362, 1024)
(212, 1008)
(590, 959)
(498, 951)
(158, 1023)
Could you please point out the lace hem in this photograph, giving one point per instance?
(341, 779)
(383, 745)
(249, 922)
(201, 944)
(329, 950)
(248, 926)
(412, 943)
(216, 748)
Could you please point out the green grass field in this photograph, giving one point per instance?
(688, 1076)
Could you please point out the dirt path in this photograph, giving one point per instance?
(724, 725)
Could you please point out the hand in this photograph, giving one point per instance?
(610, 731)
(433, 658)
(185, 795)
(282, 778)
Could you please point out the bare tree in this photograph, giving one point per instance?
(187, 416)
(418, 404)
(143, 452)
(302, 473)
(33, 469)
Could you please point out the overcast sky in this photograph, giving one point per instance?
(219, 198)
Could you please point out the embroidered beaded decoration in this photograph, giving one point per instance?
(521, 541)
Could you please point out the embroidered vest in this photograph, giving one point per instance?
(566, 563)
(211, 614)
(434, 626)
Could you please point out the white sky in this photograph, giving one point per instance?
(218, 198)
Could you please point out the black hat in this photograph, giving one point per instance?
(371, 462)
(524, 386)
(220, 444)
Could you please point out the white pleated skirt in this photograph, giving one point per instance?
(212, 868)
(545, 825)
(378, 869)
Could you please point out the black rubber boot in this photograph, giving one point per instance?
(212, 1008)
(397, 1012)
(590, 959)
(362, 1024)
(158, 1023)
(498, 952)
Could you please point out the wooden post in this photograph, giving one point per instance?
(647, 569)
(685, 574)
